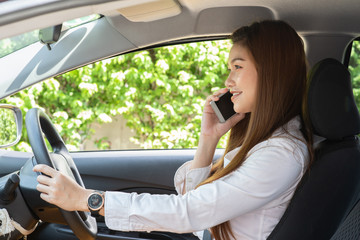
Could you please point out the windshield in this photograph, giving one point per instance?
(10, 45)
(13, 44)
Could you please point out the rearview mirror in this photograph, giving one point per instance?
(50, 35)
(10, 125)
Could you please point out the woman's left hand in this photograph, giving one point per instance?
(61, 190)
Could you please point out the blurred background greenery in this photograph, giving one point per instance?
(354, 68)
(159, 92)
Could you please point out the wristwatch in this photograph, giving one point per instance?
(95, 202)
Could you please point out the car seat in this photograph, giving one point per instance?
(326, 202)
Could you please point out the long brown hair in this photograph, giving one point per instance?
(280, 61)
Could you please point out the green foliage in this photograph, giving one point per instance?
(354, 68)
(8, 129)
(12, 44)
(160, 92)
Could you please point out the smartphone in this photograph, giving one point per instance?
(224, 107)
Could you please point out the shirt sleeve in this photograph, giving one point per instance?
(191, 178)
(266, 175)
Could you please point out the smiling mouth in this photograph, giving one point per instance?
(235, 95)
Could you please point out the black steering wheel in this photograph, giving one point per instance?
(37, 122)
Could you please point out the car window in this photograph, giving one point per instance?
(354, 68)
(151, 99)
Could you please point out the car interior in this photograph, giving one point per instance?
(326, 204)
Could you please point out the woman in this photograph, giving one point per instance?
(244, 194)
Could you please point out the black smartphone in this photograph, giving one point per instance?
(224, 107)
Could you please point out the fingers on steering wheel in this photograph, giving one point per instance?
(44, 169)
(45, 180)
(46, 197)
(43, 188)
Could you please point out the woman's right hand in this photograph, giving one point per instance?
(211, 132)
(211, 127)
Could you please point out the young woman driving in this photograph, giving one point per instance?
(245, 193)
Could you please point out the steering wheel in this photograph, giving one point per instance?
(37, 122)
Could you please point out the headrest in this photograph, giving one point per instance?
(331, 103)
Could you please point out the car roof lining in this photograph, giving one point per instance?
(36, 13)
(336, 16)
(178, 27)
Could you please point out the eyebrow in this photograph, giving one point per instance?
(235, 59)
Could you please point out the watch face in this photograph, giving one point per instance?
(95, 201)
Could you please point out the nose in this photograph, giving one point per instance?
(229, 82)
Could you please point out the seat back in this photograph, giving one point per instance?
(330, 188)
(350, 228)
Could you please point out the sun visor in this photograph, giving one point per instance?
(151, 11)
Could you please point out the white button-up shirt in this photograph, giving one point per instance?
(253, 197)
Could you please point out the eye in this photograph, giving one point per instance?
(237, 66)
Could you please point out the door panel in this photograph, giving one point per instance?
(11, 161)
(149, 170)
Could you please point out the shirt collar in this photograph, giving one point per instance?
(293, 125)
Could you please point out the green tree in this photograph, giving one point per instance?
(160, 92)
(12, 44)
(354, 68)
(8, 130)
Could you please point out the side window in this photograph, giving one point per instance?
(354, 68)
(151, 99)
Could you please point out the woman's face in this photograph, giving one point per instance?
(242, 80)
